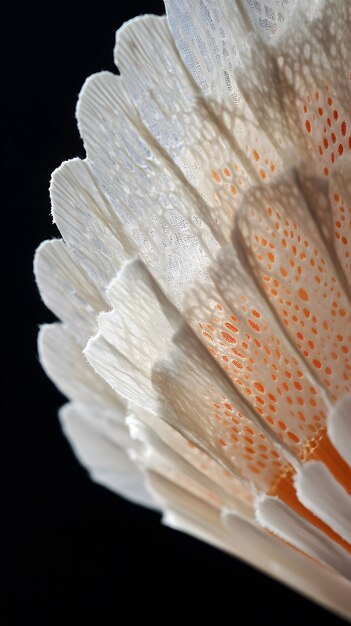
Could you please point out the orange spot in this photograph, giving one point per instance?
(317, 363)
(255, 155)
(259, 387)
(228, 337)
(343, 128)
(237, 353)
(237, 364)
(216, 176)
(249, 450)
(254, 326)
(234, 329)
(293, 437)
(303, 294)
(249, 430)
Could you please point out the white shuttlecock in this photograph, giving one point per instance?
(203, 281)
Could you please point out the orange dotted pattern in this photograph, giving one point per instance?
(264, 164)
(259, 365)
(327, 128)
(301, 285)
(232, 178)
(245, 444)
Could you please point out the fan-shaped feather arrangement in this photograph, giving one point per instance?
(203, 281)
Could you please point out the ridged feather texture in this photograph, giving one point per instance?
(203, 281)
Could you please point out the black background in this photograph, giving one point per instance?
(73, 548)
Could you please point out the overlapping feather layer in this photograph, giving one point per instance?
(203, 281)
